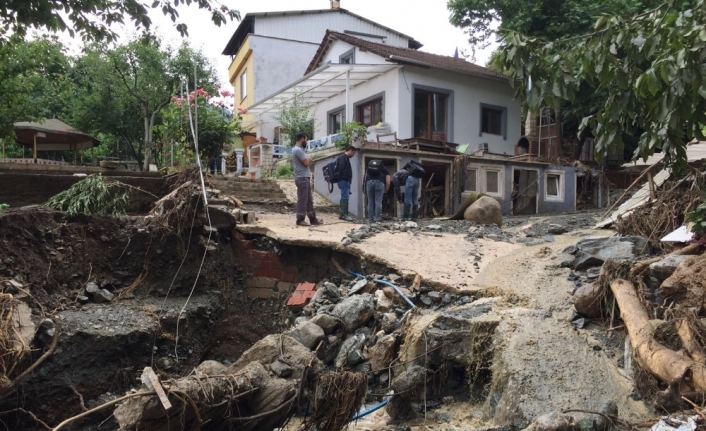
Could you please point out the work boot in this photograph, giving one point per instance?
(405, 215)
(415, 208)
(344, 212)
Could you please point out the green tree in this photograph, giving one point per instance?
(296, 117)
(124, 89)
(650, 67)
(91, 19)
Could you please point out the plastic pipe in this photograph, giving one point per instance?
(397, 289)
(370, 410)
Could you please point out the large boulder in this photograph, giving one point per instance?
(589, 300)
(594, 251)
(485, 210)
(308, 333)
(355, 310)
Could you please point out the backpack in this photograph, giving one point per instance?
(415, 169)
(374, 168)
(331, 174)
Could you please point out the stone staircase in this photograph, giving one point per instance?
(251, 191)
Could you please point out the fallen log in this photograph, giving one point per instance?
(665, 364)
(641, 267)
(688, 341)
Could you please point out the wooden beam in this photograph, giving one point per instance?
(651, 181)
(34, 147)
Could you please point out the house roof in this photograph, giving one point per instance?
(402, 56)
(695, 151)
(52, 135)
(246, 24)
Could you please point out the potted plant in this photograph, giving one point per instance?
(352, 133)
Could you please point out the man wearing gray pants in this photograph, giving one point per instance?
(302, 179)
(376, 183)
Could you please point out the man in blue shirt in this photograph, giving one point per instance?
(302, 179)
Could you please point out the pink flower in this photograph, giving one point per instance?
(226, 93)
(243, 110)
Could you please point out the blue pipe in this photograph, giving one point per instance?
(370, 410)
(399, 292)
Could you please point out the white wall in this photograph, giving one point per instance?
(469, 93)
(312, 27)
(339, 47)
(386, 82)
(278, 63)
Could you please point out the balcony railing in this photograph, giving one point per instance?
(281, 151)
(323, 143)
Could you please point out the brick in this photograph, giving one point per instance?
(283, 286)
(291, 270)
(289, 278)
(271, 257)
(308, 294)
(268, 273)
(264, 283)
(306, 286)
(260, 293)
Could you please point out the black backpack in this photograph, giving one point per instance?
(374, 168)
(415, 169)
(331, 174)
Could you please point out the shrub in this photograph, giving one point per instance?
(93, 195)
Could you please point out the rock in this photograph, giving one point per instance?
(325, 322)
(556, 229)
(394, 278)
(328, 352)
(211, 368)
(410, 225)
(358, 286)
(267, 350)
(281, 369)
(22, 327)
(434, 296)
(390, 293)
(409, 382)
(355, 357)
(443, 417)
(389, 322)
(308, 333)
(383, 303)
(446, 299)
(351, 344)
(346, 241)
(553, 421)
(13, 286)
(485, 210)
(221, 217)
(355, 311)
(594, 251)
(92, 288)
(664, 269)
(382, 353)
(434, 227)
(103, 296)
(83, 299)
(588, 300)
(426, 300)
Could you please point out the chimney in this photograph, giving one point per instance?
(335, 4)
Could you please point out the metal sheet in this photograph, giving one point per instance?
(640, 198)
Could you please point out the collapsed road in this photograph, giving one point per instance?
(104, 314)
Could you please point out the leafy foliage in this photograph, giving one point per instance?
(93, 195)
(697, 218)
(4, 206)
(285, 170)
(295, 117)
(92, 19)
(352, 132)
(650, 66)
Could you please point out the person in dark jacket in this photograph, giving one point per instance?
(345, 173)
(376, 186)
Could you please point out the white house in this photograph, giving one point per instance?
(417, 94)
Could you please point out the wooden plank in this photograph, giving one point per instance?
(151, 380)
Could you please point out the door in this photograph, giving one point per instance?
(525, 186)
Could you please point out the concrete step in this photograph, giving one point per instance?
(258, 195)
(234, 185)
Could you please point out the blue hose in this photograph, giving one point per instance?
(399, 292)
(370, 410)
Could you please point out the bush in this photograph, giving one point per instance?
(285, 170)
(93, 195)
(351, 132)
(4, 206)
(697, 218)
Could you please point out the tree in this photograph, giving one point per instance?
(650, 67)
(126, 88)
(295, 117)
(91, 19)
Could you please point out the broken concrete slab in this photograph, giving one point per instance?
(382, 302)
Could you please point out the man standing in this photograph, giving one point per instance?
(411, 189)
(345, 175)
(377, 183)
(302, 179)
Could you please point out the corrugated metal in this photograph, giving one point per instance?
(637, 200)
(694, 152)
(312, 27)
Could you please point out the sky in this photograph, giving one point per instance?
(425, 20)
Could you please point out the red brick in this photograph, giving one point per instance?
(308, 294)
(291, 270)
(277, 266)
(306, 286)
(289, 278)
(271, 257)
(268, 273)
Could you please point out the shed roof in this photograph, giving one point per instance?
(400, 55)
(695, 151)
(53, 135)
(246, 24)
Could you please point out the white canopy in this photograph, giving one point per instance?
(323, 83)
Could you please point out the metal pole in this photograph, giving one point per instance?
(35, 147)
(349, 111)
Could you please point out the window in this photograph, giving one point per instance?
(492, 121)
(492, 181)
(370, 113)
(335, 120)
(347, 57)
(243, 85)
(430, 115)
(554, 186)
(471, 184)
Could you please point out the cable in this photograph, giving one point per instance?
(397, 289)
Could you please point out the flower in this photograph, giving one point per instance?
(242, 110)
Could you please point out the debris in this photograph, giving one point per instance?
(589, 300)
(358, 286)
(325, 322)
(410, 382)
(346, 241)
(687, 284)
(665, 268)
(355, 311)
(679, 422)
(389, 322)
(383, 302)
(281, 369)
(593, 251)
(355, 342)
(434, 227)
(382, 353)
(150, 379)
(485, 211)
(308, 333)
(556, 229)
(103, 296)
(553, 421)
